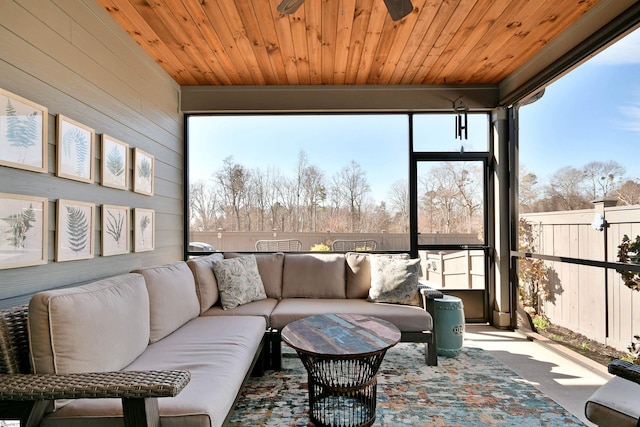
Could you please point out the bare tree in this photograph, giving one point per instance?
(629, 193)
(602, 178)
(399, 198)
(353, 187)
(203, 203)
(528, 194)
(564, 192)
(232, 182)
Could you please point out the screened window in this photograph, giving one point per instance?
(298, 182)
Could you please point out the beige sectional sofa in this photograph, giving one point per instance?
(299, 285)
(147, 320)
(176, 321)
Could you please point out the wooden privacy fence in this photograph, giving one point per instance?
(590, 300)
(246, 240)
(455, 269)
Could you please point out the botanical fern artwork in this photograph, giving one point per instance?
(144, 232)
(75, 150)
(22, 230)
(75, 230)
(114, 163)
(143, 176)
(115, 230)
(21, 133)
(18, 226)
(75, 146)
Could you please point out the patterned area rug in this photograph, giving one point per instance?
(472, 389)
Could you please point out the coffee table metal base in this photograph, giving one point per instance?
(342, 391)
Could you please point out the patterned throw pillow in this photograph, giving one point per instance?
(238, 281)
(394, 280)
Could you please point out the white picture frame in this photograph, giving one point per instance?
(75, 149)
(75, 230)
(24, 227)
(23, 133)
(114, 163)
(116, 235)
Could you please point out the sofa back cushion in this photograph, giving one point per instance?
(102, 326)
(172, 298)
(205, 280)
(313, 276)
(270, 269)
(358, 265)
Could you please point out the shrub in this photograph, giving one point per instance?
(629, 252)
(320, 247)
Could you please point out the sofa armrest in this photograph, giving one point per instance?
(428, 292)
(94, 385)
(627, 370)
(28, 395)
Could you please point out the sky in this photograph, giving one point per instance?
(592, 113)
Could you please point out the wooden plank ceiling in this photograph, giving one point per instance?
(343, 42)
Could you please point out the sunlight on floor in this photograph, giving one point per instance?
(564, 376)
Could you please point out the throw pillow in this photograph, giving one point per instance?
(239, 281)
(394, 280)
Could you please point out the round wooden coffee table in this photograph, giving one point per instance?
(342, 354)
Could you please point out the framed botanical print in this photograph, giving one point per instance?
(24, 230)
(23, 133)
(143, 230)
(75, 150)
(143, 165)
(115, 230)
(75, 229)
(114, 163)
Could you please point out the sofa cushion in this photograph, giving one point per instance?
(394, 280)
(359, 272)
(407, 318)
(172, 298)
(313, 276)
(262, 308)
(270, 268)
(101, 326)
(615, 403)
(206, 284)
(239, 281)
(217, 351)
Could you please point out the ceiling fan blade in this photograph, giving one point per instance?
(289, 6)
(398, 9)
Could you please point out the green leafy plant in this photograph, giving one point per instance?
(629, 252)
(77, 228)
(633, 350)
(115, 162)
(19, 225)
(541, 322)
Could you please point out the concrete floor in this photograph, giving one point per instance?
(565, 376)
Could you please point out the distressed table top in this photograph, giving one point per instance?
(340, 335)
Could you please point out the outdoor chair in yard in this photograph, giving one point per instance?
(285, 245)
(354, 245)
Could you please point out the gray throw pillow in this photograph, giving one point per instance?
(239, 281)
(394, 280)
